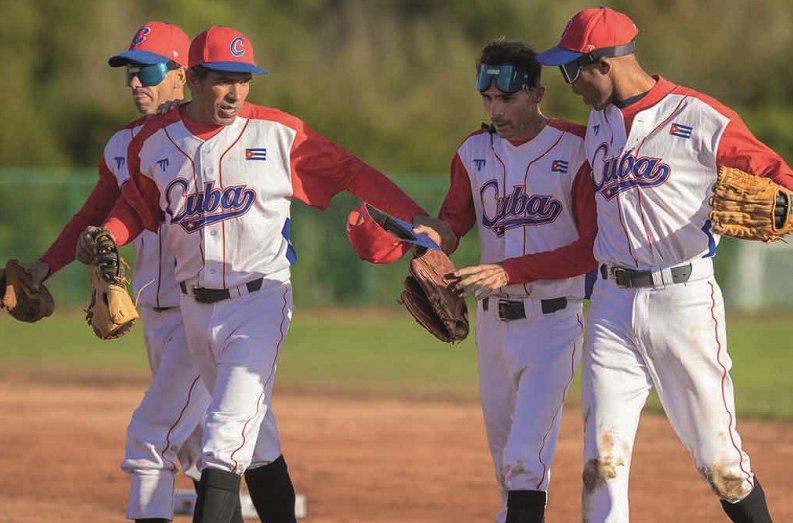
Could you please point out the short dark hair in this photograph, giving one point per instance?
(199, 71)
(505, 52)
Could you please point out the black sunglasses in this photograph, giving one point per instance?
(571, 70)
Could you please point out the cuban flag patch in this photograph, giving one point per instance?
(256, 154)
(680, 130)
(559, 166)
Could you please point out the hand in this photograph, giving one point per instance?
(38, 270)
(86, 245)
(480, 280)
(168, 106)
(438, 231)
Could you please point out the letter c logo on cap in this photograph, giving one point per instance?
(236, 47)
(141, 35)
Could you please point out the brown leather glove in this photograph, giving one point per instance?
(749, 207)
(20, 298)
(430, 298)
(111, 313)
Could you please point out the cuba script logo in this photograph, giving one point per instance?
(622, 173)
(517, 209)
(208, 206)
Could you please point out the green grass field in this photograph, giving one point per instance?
(382, 352)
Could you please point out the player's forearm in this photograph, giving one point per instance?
(93, 212)
(571, 260)
(123, 223)
(375, 188)
(457, 208)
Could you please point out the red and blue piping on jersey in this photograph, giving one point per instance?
(517, 209)
(624, 172)
(198, 207)
(711, 240)
(286, 232)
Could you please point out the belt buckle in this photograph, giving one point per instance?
(621, 276)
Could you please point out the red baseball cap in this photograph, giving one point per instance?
(378, 237)
(590, 29)
(155, 43)
(224, 49)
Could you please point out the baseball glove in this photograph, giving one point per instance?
(19, 298)
(111, 312)
(430, 298)
(749, 207)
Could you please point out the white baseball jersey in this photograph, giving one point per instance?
(653, 182)
(154, 266)
(226, 198)
(527, 199)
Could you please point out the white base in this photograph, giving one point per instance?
(184, 503)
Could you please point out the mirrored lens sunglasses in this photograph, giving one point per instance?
(149, 75)
(508, 78)
(572, 70)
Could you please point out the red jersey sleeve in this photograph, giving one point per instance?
(93, 212)
(457, 208)
(570, 260)
(741, 149)
(321, 169)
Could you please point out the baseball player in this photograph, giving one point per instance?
(657, 316)
(156, 64)
(524, 182)
(221, 174)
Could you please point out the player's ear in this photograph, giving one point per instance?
(180, 78)
(537, 94)
(604, 66)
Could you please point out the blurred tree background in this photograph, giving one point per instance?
(391, 80)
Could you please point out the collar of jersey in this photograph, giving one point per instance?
(661, 88)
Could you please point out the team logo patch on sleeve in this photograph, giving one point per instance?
(256, 154)
(559, 166)
(680, 130)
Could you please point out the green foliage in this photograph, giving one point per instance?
(391, 80)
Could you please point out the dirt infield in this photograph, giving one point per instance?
(357, 460)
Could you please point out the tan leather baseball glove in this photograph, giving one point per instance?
(749, 207)
(19, 298)
(111, 313)
(430, 298)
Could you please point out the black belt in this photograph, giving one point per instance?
(630, 278)
(514, 309)
(203, 295)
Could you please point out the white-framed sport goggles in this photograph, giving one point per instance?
(572, 70)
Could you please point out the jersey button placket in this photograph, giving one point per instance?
(212, 249)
